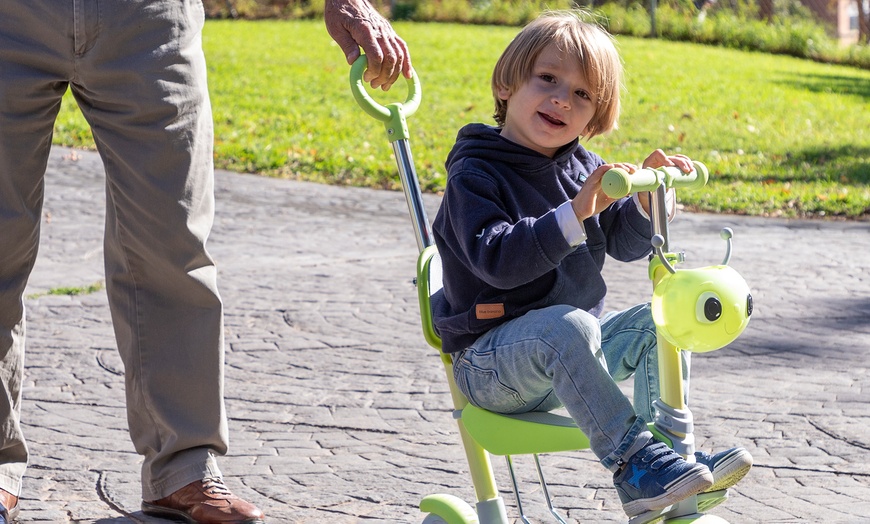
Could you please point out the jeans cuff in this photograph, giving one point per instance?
(636, 438)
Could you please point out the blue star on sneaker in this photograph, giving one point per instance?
(636, 475)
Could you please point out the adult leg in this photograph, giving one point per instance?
(141, 85)
(32, 82)
(546, 358)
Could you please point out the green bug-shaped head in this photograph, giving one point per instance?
(702, 309)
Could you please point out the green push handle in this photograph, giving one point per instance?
(392, 115)
(617, 183)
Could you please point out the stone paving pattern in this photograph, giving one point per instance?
(339, 412)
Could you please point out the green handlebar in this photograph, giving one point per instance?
(392, 115)
(618, 183)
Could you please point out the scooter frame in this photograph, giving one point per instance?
(484, 433)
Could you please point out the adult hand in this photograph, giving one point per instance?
(591, 199)
(354, 24)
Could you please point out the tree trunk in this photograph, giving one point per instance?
(863, 23)
(765, 9)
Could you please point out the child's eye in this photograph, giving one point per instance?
(583, 94)
(547, 78)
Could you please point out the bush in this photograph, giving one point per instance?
(632, 21)
(490, 12)
(795, 36)
(729, 23)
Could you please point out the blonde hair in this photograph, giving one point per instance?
(593, 47)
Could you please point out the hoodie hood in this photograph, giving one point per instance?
(484, 142)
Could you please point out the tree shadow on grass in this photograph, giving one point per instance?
(852, 159)
(834, 84)
(854, 166)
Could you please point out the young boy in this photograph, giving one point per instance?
(522, 232)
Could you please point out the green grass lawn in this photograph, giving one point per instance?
(781, 136)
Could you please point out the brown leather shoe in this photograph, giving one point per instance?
(208, 501)
(10, 504)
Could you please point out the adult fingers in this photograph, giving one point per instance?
(348, 45)
(388, 55)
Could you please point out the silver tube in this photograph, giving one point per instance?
(413, 195)
(659, 214)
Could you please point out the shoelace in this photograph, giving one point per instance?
(216, 487)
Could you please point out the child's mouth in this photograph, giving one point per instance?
(551, 120)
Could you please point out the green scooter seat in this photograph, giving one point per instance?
(524, 433)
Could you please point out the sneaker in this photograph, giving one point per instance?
(656, 477)
(728, 466)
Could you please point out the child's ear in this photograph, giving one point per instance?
(504, 93)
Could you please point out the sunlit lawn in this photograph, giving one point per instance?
(781, 136)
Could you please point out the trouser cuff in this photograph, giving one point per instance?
(636, 438)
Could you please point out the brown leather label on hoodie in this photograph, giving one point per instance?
(489, 311)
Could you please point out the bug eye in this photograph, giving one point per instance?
(712, 309)
(748, 305)
(708, 309)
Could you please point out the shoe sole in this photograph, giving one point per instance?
(153, 510)
(730, 470)
(695, 481)
(12, 514)
(166, 513)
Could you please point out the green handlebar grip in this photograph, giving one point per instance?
(618, 183)
(392, 115)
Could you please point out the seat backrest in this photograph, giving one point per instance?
(428, 283)
(498, 434)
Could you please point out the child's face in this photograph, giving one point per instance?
(552, 107)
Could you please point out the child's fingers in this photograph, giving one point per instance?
(682, 162)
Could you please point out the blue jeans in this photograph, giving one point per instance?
(555, 357)
(628, 340)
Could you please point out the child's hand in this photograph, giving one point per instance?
(658, 158)
(591, 199)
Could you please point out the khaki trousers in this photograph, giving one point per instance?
(138, 73)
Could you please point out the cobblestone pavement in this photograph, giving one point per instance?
(339, 411)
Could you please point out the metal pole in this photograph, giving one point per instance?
(413, 195)
(658, 213)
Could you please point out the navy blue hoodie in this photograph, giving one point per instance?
(502, 250)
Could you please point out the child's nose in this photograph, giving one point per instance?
(562, 99)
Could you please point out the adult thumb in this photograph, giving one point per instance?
(348, 46)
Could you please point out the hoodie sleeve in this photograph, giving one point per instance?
(627, 230)
(503, 252)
